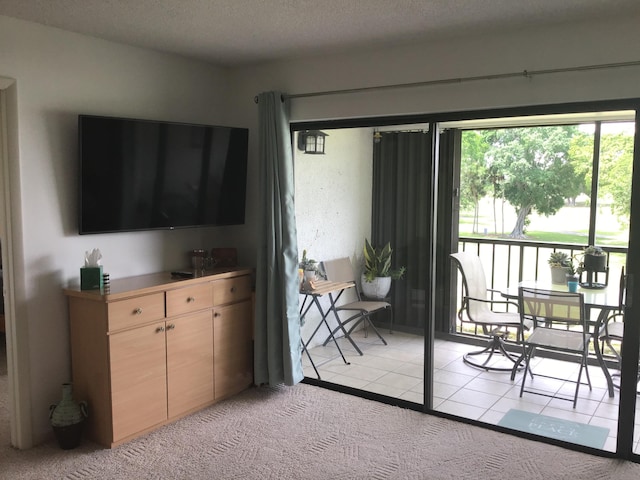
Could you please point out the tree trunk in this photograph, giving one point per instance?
(495, 217)
(518, 230)
(476, 214)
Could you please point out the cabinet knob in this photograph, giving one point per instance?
(137, 311)
(233, 289)
(191, 299)
(171, 326)
(159, 329)
(216, 314)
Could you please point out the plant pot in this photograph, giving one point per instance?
(595, 263)
(378, 288)
(559, 275)
(573, 282)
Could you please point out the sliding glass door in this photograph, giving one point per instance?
(628, 429)
(432, 185)
(336, 213)
(528, 192)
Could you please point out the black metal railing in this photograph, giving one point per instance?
(507, 262)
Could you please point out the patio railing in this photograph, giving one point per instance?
(507, 262)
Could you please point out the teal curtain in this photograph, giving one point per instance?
(277, 348)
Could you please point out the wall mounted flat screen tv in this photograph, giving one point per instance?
(147, 175)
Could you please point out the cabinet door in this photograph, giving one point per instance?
(233, 348)
(189, 362)
(138, 379)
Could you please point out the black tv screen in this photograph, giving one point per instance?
(146, 175)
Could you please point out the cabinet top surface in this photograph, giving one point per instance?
(152, 282)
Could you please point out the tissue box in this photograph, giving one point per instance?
(90, 278)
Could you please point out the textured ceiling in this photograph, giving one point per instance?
(239, 32)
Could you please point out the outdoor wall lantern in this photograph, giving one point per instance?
(312, 141)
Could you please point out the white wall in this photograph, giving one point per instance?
(333, 195)
(58, 76)
(559, 46)
(333, 205)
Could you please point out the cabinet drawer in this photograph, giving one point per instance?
(189, 299)
(136, 311)
(230, 290)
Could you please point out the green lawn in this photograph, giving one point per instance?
(569, 225)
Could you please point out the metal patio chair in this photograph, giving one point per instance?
(477, 308)
(612, 329)
(560, 325)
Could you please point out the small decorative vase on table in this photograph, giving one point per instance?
(309, 268)
(67, 419)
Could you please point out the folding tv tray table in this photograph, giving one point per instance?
(312, 294)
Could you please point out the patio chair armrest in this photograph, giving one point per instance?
(491, 302)
(615, 318)
(492, 293)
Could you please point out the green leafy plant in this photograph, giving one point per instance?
(572, 269)
(377, 263)
(593, 250)
(564, 260)
(308, 264)
(559, 259)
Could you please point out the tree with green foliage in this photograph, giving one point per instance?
(473, 173)
(615, 164)
(534, 167)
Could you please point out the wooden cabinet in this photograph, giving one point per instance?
(150, 350)
(233, 348)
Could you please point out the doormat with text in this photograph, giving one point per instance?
(565, 430)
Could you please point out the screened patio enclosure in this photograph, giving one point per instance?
(412, 183)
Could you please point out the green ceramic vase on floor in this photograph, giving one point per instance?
(67, 418)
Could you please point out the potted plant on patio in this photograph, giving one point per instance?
(308, 267)
(594, 259)
(377, 274)
(561, 265)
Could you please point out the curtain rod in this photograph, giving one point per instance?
(445, 81)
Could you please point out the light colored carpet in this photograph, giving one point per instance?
(306, 432)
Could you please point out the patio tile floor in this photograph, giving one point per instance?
(396, 370)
